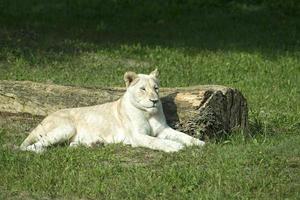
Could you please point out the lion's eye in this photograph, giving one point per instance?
(142, 88)
(155, 88)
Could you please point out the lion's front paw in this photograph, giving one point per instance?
(197, 142)
(173, 146)
(35, 148)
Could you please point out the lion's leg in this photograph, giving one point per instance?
(57, 135)
(77, 144)
(171, 134)
(74, 144)
(156, 143)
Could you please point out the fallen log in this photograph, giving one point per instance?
(199, 110)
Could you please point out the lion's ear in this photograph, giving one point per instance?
(155, 73)
(129, 77)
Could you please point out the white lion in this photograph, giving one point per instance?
(136, 119)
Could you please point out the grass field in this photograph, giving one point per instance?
(254, 47)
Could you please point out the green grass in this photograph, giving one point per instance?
(252, 46)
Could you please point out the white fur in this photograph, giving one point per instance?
(136, 119)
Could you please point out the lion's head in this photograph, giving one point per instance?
(143, 90)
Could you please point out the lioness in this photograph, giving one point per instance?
(136, 119)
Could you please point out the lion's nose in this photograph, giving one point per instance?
(154, 101)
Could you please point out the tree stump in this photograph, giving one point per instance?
(207, 110)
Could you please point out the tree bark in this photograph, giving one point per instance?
(199, 110)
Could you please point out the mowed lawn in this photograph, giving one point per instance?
(254, 47)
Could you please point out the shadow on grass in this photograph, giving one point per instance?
(257, 129)
(71, 27)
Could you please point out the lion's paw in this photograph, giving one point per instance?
(198, 142)
(172, 146)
